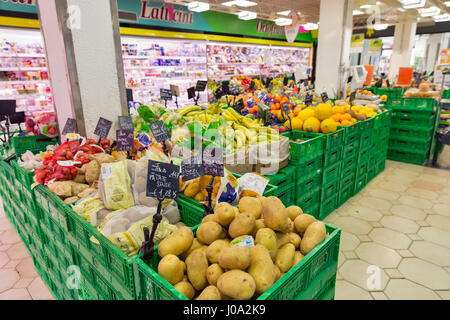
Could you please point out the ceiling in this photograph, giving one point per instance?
(310, 10)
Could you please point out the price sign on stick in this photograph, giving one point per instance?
(175, 90)
(70, 126)
(163, 180)
(352, 97)
(226, 87)
(252, 86)
(201, 85)
(159, 131)
(213, 162)
(166, 94)
(192, 168)
(103, 127)
(285, 81)
(126, 123)
(125, 140)
(324, 96)
(286, 109)
(308, 99)
(191, 93)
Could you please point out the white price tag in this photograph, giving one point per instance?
(68, 163)
(247, 242)
(106, 172)
(253, 182)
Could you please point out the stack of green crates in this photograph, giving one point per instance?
(412, 129)
(390, 92)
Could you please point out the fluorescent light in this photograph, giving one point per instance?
(283, 21)
(310, 26)
(441, 17)
(410, 4)
(357, 12)
(401, 9)
(378, 3)
(365, 6)
(447, 3)
(239, 3)
(429, 12)
(284, 13)
(381, 26)
(198, 6)
(247, 15)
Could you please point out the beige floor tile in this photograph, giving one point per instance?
(439, 221)
(422, 223)
(448, 269)
(18, 251)
(434, 178)
(349, 255)
(376, 224)
(399, 224)
(338, 276)
(400, 178)
(445, 295)
(348, 241)
(26, 268)
(360, 273)
(4, 259)
(23, 283)
(393, 186)
(364, 238)
(388, 195)
(15, 294)
(379, 296)
(405, 253)
(403, 289)
(5, 224)
(431, 252)
(425, 274)
(378, 255)
(414, 237)
(408, 212)
(10, 237)
(393, 273)
(435, 235)
(331, 218)
(428, 185)
(341, 259)
(390, 238)
(445, 199)
(5, 247)
(7, 279)
(423, 193)
(362, 212)
(347, 291)
(375, 203)
(38, 290)
(416, 202)
(353, 225)
(12, 264)
(442, 209)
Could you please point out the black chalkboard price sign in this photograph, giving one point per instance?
(192, 168)
(226, 87)
(163, 180)
(201, 85)
(126, 123)
(285, 81)
(213, 162)
(125, 140)
(103, 127)
(191, 93)
(70, 126)
(165, 94)
(308, 99)
(324, 96)
(159, 131)
(352, 97)
(285, 107)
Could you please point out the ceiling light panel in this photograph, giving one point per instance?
(411, 4)
(441, 17)
(429, 12)
(247, 15)
(283, 21)
(239, 3)
(197, 6)
(380, 26)
(357, 12)
(310, 26)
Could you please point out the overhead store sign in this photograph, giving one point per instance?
(357, 43)
(152, 13)
(375, 46)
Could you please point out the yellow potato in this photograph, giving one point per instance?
(186, 289)
(268, 239)
(275, 215)
(250, 205)
(213, 273)
(192, 189)
(177, 243)
(197, 264)
(210, 293)
(293, 212)
(195, 245)
(277, 273)
(236, 257)
(295, 239)
(298, 257)
(259, 224)
(213, 250)
(282, 239)
(285, 257)
(314, 234)
(210, 231)
(242, 224)
(210, 217)
(262, 268)
(237, 284)
(171, 268)
(302, 222)
(225, 214)
(291, 226)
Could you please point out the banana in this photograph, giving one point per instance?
(234, 114)
(193, 113)
(186, 110)
(241, 135)
(227, 116)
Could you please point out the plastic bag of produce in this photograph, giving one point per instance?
(115, 186)
(91, 209)
(270, 155)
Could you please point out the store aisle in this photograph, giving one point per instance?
(401, 223)
(18, 277)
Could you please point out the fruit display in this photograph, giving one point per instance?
(425, 90)
(238, 253)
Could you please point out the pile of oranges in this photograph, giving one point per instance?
(341, 117)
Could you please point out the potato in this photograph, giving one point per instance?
(225, 214)
(80, 178)
(285, 257)
(210, 217)
(242, 224)
(262, 268)
(210, 293)
(195, 245)
(237, 284)
(201, 249)
(87, 192)
(197, 264)
(92, 172)
(209, 232)
(213, 273)
(186, 289)
(71, 200)
(268, 239)
(171, 268)
(199, 197)
(293, 212)
(275, 215)
(62, 189)
(298, 257)
(259, 224)
(78, 188)
(192, 189)
(204, 182)
(314, 235)
(250, 205)
(291, 226)
(236, 257)
(302, 222)
(102, 158)
(295, 239)
(282, 239)
(177, 243)
(213, 250)
(277, 273)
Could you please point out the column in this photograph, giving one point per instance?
(434, 45)
(82, 41)
(333, 55)
(402, 48)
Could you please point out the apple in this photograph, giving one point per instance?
(282, 129)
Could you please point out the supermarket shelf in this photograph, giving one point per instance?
(164, 57)
(20, 69)
(24, 81)
(26, 96)
(23, 55)
(237, 63)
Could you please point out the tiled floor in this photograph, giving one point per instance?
(395, 241)
(396, 236)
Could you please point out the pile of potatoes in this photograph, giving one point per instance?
(208, 267)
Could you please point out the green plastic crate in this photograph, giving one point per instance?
(333, 156)
(36, 143)
(381, 165)
(360, 183)
(309, 201)
(307, 184)
(308, 168)
(361, 169)
(413, 120)
(328, 205)
(352, 133)
(410, 143)
(309, 149)
(295, 283)
(322, 288)
(331, 173)
(334, 140)
(351, 150)
(348, 166)
(391, 92)
(363, 156)
(416, 132)
(286, 194)
(412, 104)
(330, 189)
(407, 156)
(346, 188)
(285, 175)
